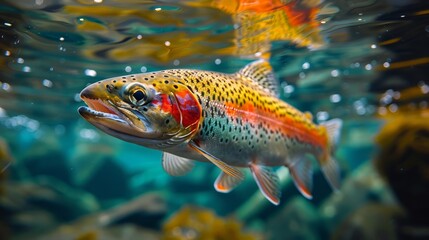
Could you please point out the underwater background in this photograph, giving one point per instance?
(365, 62)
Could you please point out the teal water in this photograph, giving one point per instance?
(364, 62)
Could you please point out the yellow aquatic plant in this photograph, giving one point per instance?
(197, 223)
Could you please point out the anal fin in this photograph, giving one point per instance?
(232, 171)
(175, 165)
(331, 171)
(301, 170)
(225, 183)
(268, 182)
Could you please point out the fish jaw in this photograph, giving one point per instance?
(107, 114)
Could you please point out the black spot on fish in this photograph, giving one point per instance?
(109, 88)
(190, 89)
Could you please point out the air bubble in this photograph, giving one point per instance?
(6, 87)
(386, 64)
(47, 83)
(335, 98)
(322, 116)
(393, 108)
(368, 67)
(335, 73)
(306, 65)
(90, 73)
(26, 69)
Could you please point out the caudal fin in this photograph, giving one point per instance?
(328, 164)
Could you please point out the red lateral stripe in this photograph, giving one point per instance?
(287, 125)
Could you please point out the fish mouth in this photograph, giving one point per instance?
(100, 110)
(110, 114)
(113, 120)
(102, 113)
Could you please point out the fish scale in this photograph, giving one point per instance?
(234, 121)
(233, 91)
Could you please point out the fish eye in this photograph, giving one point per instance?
(138, 97)
(136, 94)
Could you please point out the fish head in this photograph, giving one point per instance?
(152, 109)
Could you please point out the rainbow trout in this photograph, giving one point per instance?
(234, 121)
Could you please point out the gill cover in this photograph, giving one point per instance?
(184, 108)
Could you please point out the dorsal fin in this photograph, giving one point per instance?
(261, 72)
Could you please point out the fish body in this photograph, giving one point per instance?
(234, 121)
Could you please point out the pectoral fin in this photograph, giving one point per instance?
(232, 171)
(175, 165)
(268, 182)
(225, 183)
